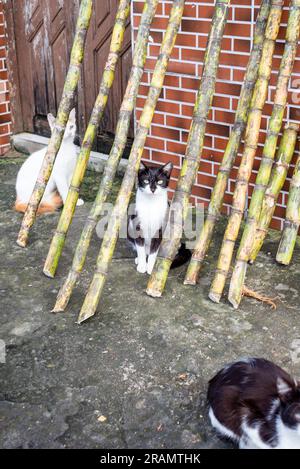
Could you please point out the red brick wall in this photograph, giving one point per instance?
(169, 132)
(5, 116)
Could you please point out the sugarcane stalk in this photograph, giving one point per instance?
(59, 238)
(188, 174)
(120, 209)
(123, 126)
(278, 177)
(217, 198)
(65, 107)
(251, 143)
(264, 173)
(292, 222)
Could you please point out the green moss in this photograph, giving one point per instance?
(14, 158)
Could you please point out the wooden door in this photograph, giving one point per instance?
(44, 32)
(96, 54)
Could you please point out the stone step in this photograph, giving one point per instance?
(28, 143)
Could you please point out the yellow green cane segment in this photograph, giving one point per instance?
(123, 126)
(216, 202)
(251, 142)
(58, 241)
(188, 174)
(120, 209)
(65, 107)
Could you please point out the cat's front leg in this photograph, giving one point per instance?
(154, 248)
(62, 187)
(151, 262)
(141, 256)
(80, 202)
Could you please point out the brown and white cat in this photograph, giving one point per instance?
(146, 227)
(256, 404)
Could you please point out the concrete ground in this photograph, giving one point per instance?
(135, 376)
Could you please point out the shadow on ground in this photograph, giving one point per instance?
(135, 376)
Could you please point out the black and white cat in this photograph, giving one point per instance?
(256, 404)
(146, 227)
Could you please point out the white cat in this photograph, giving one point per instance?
(58, 186)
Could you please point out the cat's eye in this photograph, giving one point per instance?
(160, 183)
(146, 181)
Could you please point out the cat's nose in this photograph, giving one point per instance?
(153, 189)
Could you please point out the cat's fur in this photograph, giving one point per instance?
(58, 186)
(146, 227)
(256, 404)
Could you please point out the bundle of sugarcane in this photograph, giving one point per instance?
(139, 59)
(66, 104)
(216, 202)
(292, 222)
(170, 244)
(279, 174)
(263, 177)
(251, 143)
(120, 209)
(108, 77)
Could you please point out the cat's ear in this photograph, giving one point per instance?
(167, 169)
(72, 117)
(283, 388)
(143, 167)
(51, 121)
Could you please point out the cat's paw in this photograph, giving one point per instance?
(142, 267)
(136, 260)
(150, 269)
(80, 203)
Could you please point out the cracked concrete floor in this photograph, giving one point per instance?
(135, 376)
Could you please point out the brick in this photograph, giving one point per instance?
(165, 133)
(168, 107)
(155, 143)
(175, 147)
(4, 140)
(164, 158)
(5, 118)
(186, 40)
(180, 95)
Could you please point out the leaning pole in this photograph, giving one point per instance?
(59, 238)
(120, 209)
(65, 107)
(230, 154)
(123, 126)
(170, 244)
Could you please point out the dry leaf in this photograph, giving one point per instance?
(102, 419)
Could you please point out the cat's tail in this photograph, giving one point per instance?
(182, 257)
(45, 207)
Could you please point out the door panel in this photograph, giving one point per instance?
(43, 40)
(97, 51)
(44, 34)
